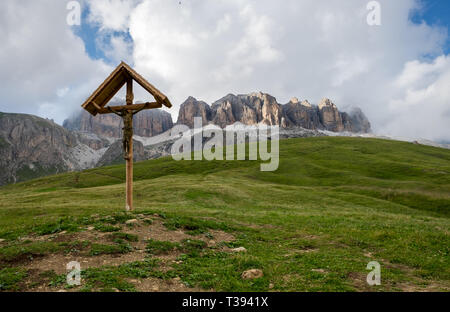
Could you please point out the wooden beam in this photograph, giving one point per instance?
(129, 158)
(118, 109)
(158, 95)
(97, 107)
(130, 95)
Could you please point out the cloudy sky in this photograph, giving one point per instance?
(397, 72)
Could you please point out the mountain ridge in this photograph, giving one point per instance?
(249, 109)
(259, 107)
(31, 146)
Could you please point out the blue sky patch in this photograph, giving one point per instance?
(94, 39)
(434, 13)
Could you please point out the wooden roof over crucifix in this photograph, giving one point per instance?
(96, 103)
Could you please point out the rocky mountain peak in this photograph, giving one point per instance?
(306, 103)
(193, 108)
(259, 107)
(325, 102)
(31, 146)
(147, 123)
(259, 94)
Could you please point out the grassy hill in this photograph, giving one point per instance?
(333, 205)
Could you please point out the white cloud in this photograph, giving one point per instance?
(116, 48)
(111, 14)
(423, 110)
(308, 49)
(192, 48)
(44, 68)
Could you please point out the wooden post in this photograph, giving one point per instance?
(128, 135)
(97, 104)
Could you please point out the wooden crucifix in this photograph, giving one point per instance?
(96, 104)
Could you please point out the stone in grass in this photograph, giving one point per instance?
(148, 220)
(252, 274)
(91, 228)
(131, 222)
(239, 249)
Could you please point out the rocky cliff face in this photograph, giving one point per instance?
(192, 108)
(146, 123)
(330, 117)
(248, 109)
(92, 140)
(31, 147)
(114, 154)
(262, 108)
(300, 115)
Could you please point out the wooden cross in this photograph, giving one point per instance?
(96, 104)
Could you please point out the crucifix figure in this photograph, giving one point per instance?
(127, 134)
(96, 104)
(127, 117)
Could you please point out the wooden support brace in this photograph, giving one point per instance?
(133, 107)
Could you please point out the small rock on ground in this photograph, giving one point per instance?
(239, 249)
(252, 274)
(131, 221)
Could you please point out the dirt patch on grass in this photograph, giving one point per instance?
(217, 237)
(159, 285)
(359, 281)
(135, 236)
(425, 288)
(156, 231)
(58, 262)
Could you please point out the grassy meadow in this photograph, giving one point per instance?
(334, 205)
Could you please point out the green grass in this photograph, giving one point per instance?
(28, 250)
(125, 236)
(63, 224)
(333, 205)
(156, 247)
(25, 173)
(10, 278)
(160, 247)
(110, 278)
(106, 228)
(101, 249)
(193, 226)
